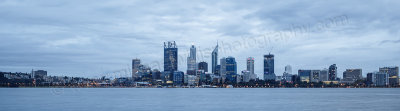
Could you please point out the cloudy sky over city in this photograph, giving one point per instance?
(93, 38)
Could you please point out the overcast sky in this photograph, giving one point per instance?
(93, 38)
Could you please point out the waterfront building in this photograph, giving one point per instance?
(304, 75)
(315, 75)
(378, 78)
(352, 75)
(178, 78)
(324, 75)
(393, 74)
(191, 80)
(269, 73)
(214, 59)
(170, 59)
(229, 69)
(332, 72)
(250, 65)
(191, 61)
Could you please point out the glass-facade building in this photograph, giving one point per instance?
(178, 78)
(203, 66)
(269, 73)
(228, 69)
(191, 61)
(214, 59)
(170, 59)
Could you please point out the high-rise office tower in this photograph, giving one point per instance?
(332, 72)
(170, 59)
(222, 68)
(269, 73)
(203, 66)
(229, 69)
(135, 68)
(191, 61)
(250, 65)
(352, 75)
(214, 59)
(393, 74)
(231, 66)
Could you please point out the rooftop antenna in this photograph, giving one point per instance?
(272, 48)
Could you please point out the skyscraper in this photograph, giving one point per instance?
(250, 65)
(229, 69)
(214, 59)
(222, 69)
(393, 74)
(191, 61)
(170, 59)
(269, 73)
(231, 66)
(135, 68)
(332, 72)
(203, 66)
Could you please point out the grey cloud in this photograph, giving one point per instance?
(389, 41)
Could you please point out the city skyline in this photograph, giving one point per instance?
(362, 38)
(202, 55)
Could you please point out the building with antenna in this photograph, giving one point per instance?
(269, 73)
(170, 60)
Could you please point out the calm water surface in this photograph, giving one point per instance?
(165, 99)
